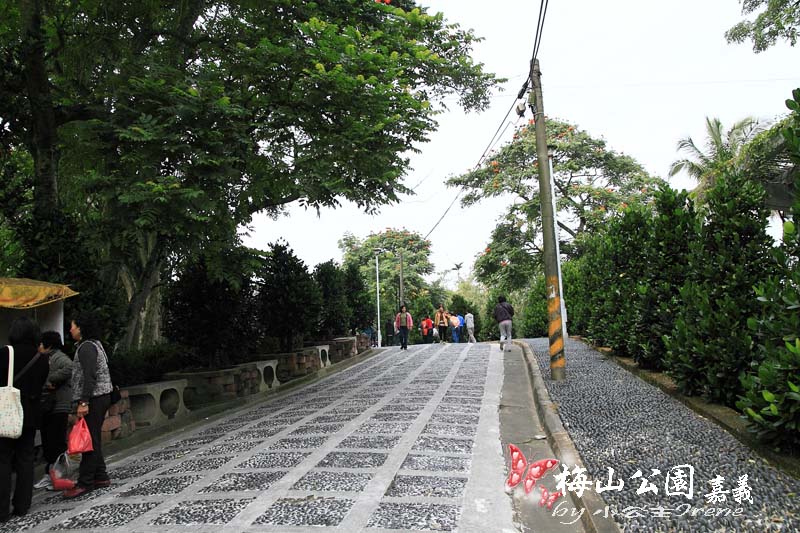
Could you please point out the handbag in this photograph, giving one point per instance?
(80, 440)
(10, 404)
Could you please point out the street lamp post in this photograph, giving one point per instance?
(378, 293)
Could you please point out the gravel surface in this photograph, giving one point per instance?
(618, 421)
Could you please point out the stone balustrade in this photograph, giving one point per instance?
(156, 404)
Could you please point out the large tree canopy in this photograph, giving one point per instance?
(590, 181)
(165, 126)
(776, 19)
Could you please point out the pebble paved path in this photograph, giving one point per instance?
(403, 441)
(618, 421)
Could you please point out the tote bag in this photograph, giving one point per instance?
(10, 404)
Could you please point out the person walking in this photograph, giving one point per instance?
(389, 332)
(56, 402)
(503, 313)
(454, 325)
(91, 389)
(440, 322)
(403, 324)
(460, 327)
(469, 321)
(29, 373)
(427, 329)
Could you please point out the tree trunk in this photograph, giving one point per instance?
(43, 135)
(145, 298)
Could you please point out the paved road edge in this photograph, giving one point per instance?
(565, 449)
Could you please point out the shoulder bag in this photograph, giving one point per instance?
(10, 403)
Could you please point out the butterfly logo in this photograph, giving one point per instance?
(548, 498)
(536, 471)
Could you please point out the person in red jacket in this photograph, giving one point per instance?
(402, 325)
(427, 329)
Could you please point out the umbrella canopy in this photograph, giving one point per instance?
(21, 293)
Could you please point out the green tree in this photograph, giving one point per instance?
(590, 180)
(336, 313)
(534, 324)
(720, 154)
(710, 344)
(193, 319)
(663, 273)
(778, 20)
(771, 398)
(11, 253)
(360, 301)
(391, 243)
(289, 300)
(164, 127)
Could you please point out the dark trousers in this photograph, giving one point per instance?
(17, 455)
(403, 337)
(93, 465)
(442, 333)
(54, 435)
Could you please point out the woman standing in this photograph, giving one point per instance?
(402, 324)
(91, 389)
(440, 320)
(56, 402)
(30, 373)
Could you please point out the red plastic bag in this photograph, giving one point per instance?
(79, 440)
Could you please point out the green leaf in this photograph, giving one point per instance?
(768, 396)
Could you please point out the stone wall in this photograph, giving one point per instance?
(218, 385)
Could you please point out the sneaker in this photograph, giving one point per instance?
(44, 483)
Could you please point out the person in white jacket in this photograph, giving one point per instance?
(469, 321)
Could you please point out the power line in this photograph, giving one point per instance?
(478, 164)
(537, 41)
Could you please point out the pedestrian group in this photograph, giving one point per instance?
(52, 390)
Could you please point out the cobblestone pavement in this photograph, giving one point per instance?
(618, 421)
(407, 440)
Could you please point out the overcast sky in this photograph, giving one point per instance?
(641, 74)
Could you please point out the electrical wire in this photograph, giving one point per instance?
(537, 41)
(540, 27)
(478, 164)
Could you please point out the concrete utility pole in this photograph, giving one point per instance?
(551, 274)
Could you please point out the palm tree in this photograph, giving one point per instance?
(722, 150)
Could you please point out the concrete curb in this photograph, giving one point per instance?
(593, 518)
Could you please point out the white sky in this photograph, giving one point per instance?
(641, 74)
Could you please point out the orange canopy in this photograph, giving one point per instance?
(21, 293)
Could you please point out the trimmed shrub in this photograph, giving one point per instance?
(710, 345)
(658, 299)
(534, 322)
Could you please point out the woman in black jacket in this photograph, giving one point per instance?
(17, 454)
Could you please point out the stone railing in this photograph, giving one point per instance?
(119, 422)
(157, 404)
(154, 404)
